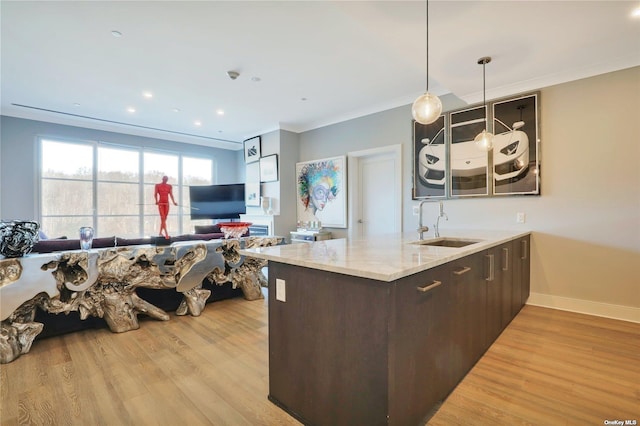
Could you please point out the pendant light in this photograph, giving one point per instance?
(428, 107)
(484, 140)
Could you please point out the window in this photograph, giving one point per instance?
(112, 188)
(195, 171)
(66, 187)
(118, 207)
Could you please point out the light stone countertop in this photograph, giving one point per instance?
(385, 257)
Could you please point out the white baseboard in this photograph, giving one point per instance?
(619, 312)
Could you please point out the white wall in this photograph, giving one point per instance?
(282, 192)
(586, 223)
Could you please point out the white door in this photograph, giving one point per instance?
(376, 191)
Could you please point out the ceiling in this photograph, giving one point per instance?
(317, 63)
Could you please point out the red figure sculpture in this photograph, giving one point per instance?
(162, 193)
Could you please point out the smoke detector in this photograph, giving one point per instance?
(233, 74)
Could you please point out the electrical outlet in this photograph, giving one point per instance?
(521, 217)
(416, 210)
(281, 293)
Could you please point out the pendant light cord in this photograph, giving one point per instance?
(484, 61)
(484, 92)
(427, 51)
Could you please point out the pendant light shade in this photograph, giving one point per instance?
(428, 107)
(484, 139)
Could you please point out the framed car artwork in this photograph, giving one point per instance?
(469, 164)
(429, 159)
(447, 163)
(515, 146)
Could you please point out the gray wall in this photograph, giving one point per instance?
(19, 161)
(391, 127)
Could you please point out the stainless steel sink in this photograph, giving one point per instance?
(446, 242)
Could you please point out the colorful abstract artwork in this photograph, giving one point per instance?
(321, 192)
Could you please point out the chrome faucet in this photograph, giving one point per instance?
(421, 228)
(440, 214)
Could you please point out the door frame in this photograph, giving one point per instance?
(353, 172)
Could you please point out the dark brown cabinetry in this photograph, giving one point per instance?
(467, 316)
(521, 273)
(498, 278)
(346, 350)
(420, 345)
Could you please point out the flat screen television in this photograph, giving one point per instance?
(217, 201)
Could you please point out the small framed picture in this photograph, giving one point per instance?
(252, 150)
(269, 168)
(252, 185)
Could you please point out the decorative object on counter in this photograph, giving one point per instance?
(270, 208)
(234, 229)
(305, 235)
(86, 238)
(314, 225)
(18, 237)
(269, 168)
(265, 202)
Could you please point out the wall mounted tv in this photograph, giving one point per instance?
(217, 201)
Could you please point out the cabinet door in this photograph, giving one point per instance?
(498, 281)
(468, 319)
(521, 271)
(525, 269)
(419, 355)
(506, 254)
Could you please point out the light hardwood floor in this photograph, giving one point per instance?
(547, 368)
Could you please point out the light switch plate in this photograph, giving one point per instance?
(521, 217)
(281, 293)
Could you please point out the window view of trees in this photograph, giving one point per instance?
(111, 188)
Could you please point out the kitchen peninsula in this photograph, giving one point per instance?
(377, 331)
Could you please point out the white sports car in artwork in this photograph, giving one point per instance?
(510, 152)
(468, 163)
(431, 162)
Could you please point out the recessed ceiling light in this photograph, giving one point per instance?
(175, 110)
(76, 104)
(147, 95)
(197, 123)
(256, 79)
(116, 33)
(636, 12)
(220, 112)
(131, 109)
